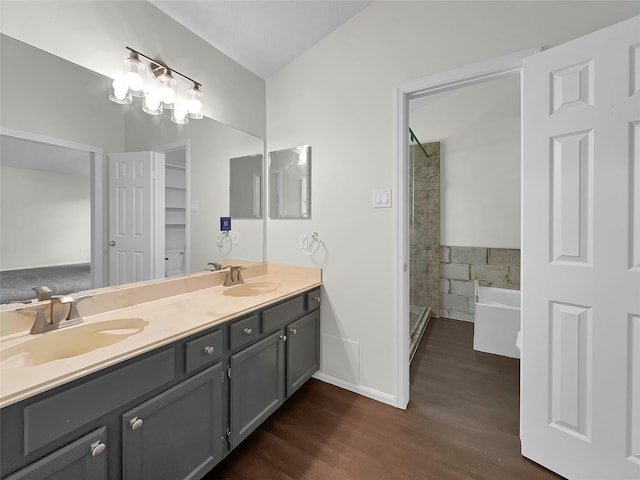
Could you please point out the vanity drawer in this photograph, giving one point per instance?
(279, 315)
(243, 331)
(313, 300)
(203, 350)
(62, 413)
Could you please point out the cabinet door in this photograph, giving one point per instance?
(84, 459)
(257, 385)
(303, 350)
(177, 434)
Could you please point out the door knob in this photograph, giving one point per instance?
(112, 243)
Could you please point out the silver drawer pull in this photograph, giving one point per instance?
(136, 423)
(208, 350)
(97, 448)
(283, 338)
(293, 330)
(316, 298)
(248, 331)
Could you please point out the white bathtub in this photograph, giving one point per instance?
(497, 321)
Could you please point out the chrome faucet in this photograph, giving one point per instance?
(60, 308)
(63, 312)
(43, 293)
(234, 275)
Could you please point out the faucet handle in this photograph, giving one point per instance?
(73, 311)
(43, 293)
(41, 318)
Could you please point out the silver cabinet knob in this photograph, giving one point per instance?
(316, 298)
(208, 350)
(112, 243)
(97, 448)
(248, 331)
(283, 338)
(293, 330)
(136, 423)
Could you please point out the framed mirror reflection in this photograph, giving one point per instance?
(290, 183)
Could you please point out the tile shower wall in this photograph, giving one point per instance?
(424, 221)
(461, 266)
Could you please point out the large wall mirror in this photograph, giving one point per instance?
(290, 183)
(45, 97)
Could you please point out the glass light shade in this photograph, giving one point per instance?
(167, 89)
(194, 104)
(119, 91)
(134, 75)
(179, 114)
(152, 103)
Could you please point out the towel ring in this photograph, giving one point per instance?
(223, 239)
(307, 244)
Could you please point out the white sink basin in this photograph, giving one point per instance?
(70, 342)
(251, 289)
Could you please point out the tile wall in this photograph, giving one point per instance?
(461, 266)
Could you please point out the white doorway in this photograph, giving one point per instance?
(424, 87)
(92, 166)
(580, 386)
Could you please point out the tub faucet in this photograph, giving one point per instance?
(234, 275)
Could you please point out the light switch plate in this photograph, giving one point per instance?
(381, 198)
(235, 238)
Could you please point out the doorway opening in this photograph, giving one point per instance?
(418, 89)
(57, 196)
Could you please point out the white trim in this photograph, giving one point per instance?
(432, 84)
(35, 137)
(97, 219)
(359, 389)
(96, 165)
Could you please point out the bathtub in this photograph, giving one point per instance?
(497, 321)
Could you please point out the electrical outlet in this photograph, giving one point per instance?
(235, 238)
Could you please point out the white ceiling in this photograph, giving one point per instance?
(263, 36)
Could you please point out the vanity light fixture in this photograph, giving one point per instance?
(158, 87)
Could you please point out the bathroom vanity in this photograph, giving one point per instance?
(172, 408)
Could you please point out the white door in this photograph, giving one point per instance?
(580, 392)
(133, 193)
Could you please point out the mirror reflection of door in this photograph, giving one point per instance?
(135, 200)
(290, 183)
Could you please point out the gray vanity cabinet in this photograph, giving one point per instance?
(83, 459)
(172, 413)
(266, 373)
(257, 387)
(303, 350)
(176, 434)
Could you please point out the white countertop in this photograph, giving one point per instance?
(169, 318)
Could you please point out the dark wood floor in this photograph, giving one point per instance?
(461, 423)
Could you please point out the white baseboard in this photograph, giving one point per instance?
(359, 389)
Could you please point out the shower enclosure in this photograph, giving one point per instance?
(424, 236)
